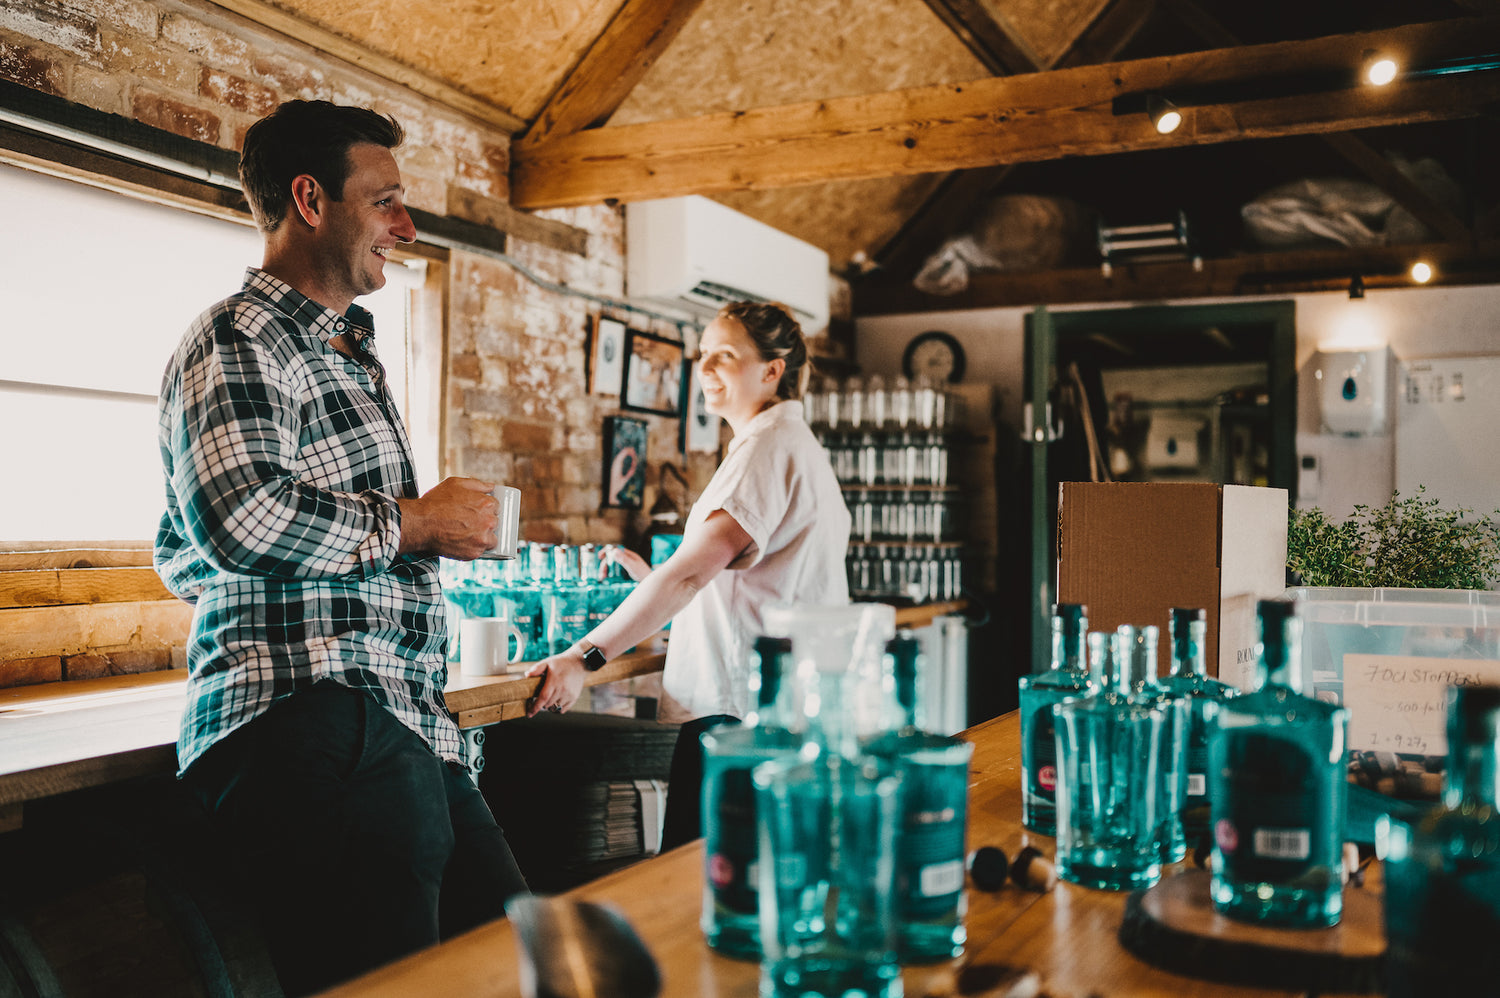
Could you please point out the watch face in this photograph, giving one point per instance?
(935, 355)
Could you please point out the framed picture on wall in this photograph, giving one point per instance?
(700, 428)
(653, 374)
(624, 462)
(607, 356)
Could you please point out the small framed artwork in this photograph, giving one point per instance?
(700, 428)
(653, 374)
(624, 461)
(607, 357)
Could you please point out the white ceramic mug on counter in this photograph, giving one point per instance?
(507, 533)
(484, 644)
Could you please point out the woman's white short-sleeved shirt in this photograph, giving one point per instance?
(777, 483)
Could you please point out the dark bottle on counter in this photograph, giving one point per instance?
(1067, 678)
(730, 919)
(930, 853)
(1277, 785)
(1442, 871)
(1189, 678)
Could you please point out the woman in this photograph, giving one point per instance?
(770, 527)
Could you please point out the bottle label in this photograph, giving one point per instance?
(1283, 843)
(730, 843)
(931, 874)
(1044, 753)
(941, 879)
(1197, 785)
(1272, 823)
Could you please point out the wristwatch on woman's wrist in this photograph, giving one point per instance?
(593, 658)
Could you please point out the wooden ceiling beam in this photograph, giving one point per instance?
(1002, 50)
(952, 205)
(1030, 118)
(637, 36)
(1354, 150)
(1253, 274)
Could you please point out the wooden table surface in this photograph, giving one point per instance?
(1067, 935)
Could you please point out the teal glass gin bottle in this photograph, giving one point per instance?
(1139, 644)
(1109, 747)
(524, 597)
(730, 919)
(1189, 679)
(1067, 678)
(1276, 780)
(1442, 871)
(567, 602)
(933, 808)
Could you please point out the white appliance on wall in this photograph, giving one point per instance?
(696, 254)
(1445, 431)
(1352, 390)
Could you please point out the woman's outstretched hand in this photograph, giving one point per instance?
(635, 566)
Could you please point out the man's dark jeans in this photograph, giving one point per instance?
(355, 842)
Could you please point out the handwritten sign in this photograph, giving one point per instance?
(1398, 703)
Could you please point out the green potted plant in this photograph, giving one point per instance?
(1388, 581)
(1410, 543)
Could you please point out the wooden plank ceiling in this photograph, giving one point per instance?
(876, 129)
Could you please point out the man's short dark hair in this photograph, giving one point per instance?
(311, 137)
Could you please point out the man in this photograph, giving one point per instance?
(315, 732)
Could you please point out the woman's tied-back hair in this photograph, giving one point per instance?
(776, 334)
(311, 137)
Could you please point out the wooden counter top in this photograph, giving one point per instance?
(1068, 935)
(58, 737)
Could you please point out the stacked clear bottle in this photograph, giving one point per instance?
(1139, 645)
(566, 602)
(934, 769)
(730, 918)
(1189, 678)
(1109, 780)
(1067, 678)
(1442, 871)
(517, 588)
(1276, 779)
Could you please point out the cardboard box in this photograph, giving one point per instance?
(1131, 551)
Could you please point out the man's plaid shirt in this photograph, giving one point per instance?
(284, 460)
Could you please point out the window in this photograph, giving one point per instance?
(96, 289)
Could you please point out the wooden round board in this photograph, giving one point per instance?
(1174, 926)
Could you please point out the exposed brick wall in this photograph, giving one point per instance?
(517, 409)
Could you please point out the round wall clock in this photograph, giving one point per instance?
(935, 354)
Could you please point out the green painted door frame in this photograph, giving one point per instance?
(1045, 329)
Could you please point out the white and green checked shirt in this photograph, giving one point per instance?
(283, 461)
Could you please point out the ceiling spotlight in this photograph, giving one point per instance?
(1379, 69)
(1356, 287)
(1421, 271)
(1165, 117)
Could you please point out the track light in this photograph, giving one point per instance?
(1421, 271)
(1356, 287)
(1165, 116)
(1379, 69)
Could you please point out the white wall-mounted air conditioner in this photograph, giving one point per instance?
(695, 254)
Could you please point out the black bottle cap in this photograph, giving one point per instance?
(988, 868)
(1276, 610)
(1070, 612)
